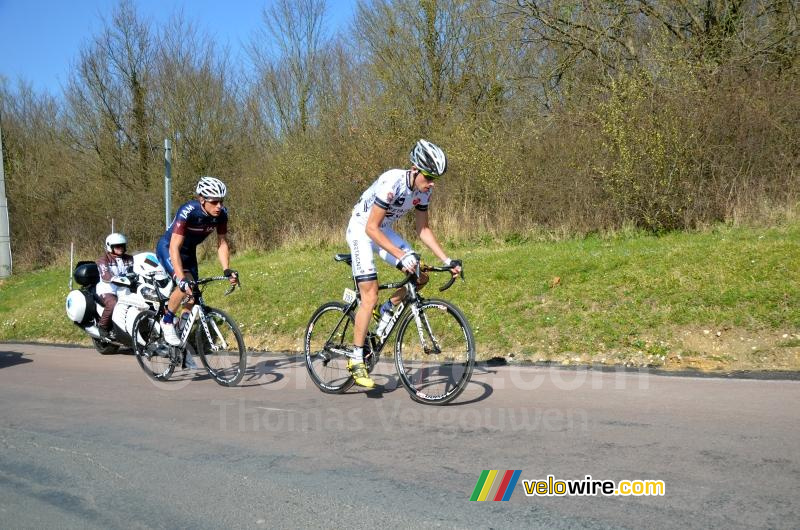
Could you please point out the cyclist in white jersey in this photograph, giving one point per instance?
(395, 193)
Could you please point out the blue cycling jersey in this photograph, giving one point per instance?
(194, 224)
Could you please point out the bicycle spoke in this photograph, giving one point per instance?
(221, 347)
(435, 359)
(152, 353)
(326, 351)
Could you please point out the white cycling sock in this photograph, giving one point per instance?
(358, 354)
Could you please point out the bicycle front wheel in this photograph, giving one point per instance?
(328, 336)
(435, 355)
(152, 353)
(222, 349)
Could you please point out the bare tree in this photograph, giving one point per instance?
(196, 99)
(108, 98)
(289, 53)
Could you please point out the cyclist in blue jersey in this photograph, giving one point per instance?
(395, 193)
(176, 250)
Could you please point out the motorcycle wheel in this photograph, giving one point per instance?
(105, 348)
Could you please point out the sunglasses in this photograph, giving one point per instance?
(214, 202)
(428, 176)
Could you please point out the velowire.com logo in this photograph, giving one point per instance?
(496, 485)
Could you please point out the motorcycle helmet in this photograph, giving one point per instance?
(116, 239)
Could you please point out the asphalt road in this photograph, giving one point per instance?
(87, 441)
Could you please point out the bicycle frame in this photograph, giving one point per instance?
(411, 299)
(197, 311)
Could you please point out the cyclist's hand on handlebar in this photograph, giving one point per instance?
(232, 275)
(184, 285)
(455, 264)
(409, 261)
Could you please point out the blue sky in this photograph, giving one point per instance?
(40, 40)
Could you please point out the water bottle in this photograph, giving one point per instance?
(181, 323)
(385, 318)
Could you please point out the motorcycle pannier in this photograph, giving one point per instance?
(80, 307)
(86, 273)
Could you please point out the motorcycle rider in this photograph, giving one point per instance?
(115, 262)
(177, 248)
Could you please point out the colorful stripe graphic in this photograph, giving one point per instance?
(496, 485)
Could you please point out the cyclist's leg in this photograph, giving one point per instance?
(190, 273)
(369, 297)
(366, 277)
(162, 253)
(173, 304)
(189, 262)
(356, 365)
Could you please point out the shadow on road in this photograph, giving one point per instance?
(10, 358)
(271, 370)
(268, 372)
(481, 388)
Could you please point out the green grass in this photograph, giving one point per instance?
(619, 299)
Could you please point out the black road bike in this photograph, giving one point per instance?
(216, 339)
(434, 349)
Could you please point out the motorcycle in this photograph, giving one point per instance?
(137, 291)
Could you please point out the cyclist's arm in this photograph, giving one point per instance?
(175, 242)
(223, 251)
(374, 232)
(427, 236)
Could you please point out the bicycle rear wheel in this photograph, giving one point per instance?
(222, 351)
(152, 353)
(435, 357)
(328, 335)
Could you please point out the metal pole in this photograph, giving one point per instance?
(5, 231)
(71, 260)
(167, 182)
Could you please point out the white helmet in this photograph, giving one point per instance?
(115, 239)
(147, 266)
(429, 159)
(211, 188)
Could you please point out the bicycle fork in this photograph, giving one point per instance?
(208, 324)
(422, 323)
(424, 326)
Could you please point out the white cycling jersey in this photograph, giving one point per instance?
(390, 192)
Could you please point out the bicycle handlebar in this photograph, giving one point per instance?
(428, 268)
(446, 268)
(210, 279)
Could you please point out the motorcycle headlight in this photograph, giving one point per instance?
(149, 293)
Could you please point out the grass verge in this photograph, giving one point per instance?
(721, 299)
